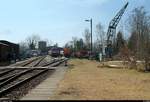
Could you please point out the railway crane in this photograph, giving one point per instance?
(112, 31)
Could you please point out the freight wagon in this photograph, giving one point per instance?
(82, 54)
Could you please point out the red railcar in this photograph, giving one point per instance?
(82, 54)
(67, 52)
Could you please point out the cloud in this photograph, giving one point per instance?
(6, 32)
(81, 2)
(88, 2)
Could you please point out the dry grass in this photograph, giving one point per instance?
(86, 80)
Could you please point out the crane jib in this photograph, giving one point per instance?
(112, 30)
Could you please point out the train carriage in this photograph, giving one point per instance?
(56, 52)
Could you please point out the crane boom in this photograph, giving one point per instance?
(112, 29)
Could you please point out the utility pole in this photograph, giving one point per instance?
(91, 23)
(91, 37)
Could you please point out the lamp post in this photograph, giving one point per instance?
(91, 34)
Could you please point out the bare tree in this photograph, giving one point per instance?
(69, 45)
(48, 42)
(139, 26)
(120, 42)
(32, 41)
(87, 38)
(74, 40)
(100, 37)
(23, 48)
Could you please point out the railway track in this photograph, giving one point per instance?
(19, 79)
(24, 63)
(14, 78)
(54, 62)
(6, 78)
(36, 62)
(10, 74)
(12, 82)
(5, 72)
(32, 63)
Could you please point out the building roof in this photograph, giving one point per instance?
(7, 42)
(3, 44)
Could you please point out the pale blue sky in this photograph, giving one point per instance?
(57, 20)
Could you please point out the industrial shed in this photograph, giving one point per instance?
(9, 50)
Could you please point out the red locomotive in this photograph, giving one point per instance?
(67, 52)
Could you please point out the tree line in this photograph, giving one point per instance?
(31, 43)
(136, 45)
(78, 44)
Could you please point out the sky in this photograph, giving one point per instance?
(58, 20)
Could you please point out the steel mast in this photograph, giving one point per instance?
(112, 30)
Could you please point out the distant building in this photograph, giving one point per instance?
(42, 46)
